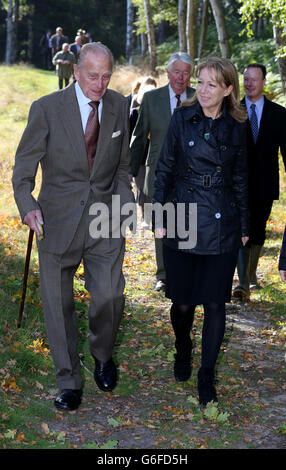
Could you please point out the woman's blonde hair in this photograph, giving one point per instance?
(225, 74)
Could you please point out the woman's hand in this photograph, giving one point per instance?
(160, 232)
(244, 240)
(283, 275)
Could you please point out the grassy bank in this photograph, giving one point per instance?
(147, 409)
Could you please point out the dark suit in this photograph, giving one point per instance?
(54, 138)
(263, 170)
(263, 164)
(46, 52)
(57, 41)
(74, 49)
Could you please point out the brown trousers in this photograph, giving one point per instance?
(103, 259)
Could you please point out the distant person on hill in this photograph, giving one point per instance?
(64, 61)
(57, 40)
(46, 49)
(266, 133)
(75, 47)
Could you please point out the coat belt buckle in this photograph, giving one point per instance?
(207, 181)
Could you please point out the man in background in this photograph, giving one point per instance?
(64, 60)
(46, 49)
(75, 47)
(266, 133)
(153, 122)
(57, 41)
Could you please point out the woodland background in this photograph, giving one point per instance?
(148, 409)
(145, 32)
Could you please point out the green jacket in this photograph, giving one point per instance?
(64, 70)
(153, 122)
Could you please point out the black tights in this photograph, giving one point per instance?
(213, 328)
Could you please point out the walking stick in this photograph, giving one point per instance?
(27, 263)
(25, 279)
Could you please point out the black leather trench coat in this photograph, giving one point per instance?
(203, 161)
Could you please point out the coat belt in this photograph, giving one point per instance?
(206, 181)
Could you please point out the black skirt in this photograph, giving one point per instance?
(193, 279)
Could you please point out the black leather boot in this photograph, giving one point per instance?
(206, 388)
(182, 323)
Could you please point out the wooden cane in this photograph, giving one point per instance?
(25, 279)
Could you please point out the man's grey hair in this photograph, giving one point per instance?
(182, 56)
(95, 48)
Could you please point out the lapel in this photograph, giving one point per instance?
(107, 123)
(71, 119)
(264, 122)
(164, 102)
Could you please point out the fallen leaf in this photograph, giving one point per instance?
(45, 428)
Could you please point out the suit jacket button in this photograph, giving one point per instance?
(218, 169)
(217, 215)
(223, 147)
(82, 203)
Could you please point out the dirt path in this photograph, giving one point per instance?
(148, 410)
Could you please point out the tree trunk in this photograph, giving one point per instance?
(12, 32)
(144, 46)
(182, 25)
(280, 41)
(151, 38)
(204, 26)
(191, 28)
(130, 17)
(221, 28)
(30, 42)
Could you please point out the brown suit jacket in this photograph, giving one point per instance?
(54, 138)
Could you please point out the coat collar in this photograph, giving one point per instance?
(194, 113)
(71, 119)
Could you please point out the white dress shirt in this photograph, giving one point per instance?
(173, 99)
(84, 107)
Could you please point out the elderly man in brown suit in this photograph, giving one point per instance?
(82, 166)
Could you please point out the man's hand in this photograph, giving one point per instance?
(34, 220)
(283, 275)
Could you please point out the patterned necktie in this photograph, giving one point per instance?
(254, 122)
(92, 132)
(178, 100)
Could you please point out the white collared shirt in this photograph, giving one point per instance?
(258, 108)
(84, 107)
(173, 99)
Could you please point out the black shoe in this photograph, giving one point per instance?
(182, 367)
(68, 399)
(105, 375)
(206, 388)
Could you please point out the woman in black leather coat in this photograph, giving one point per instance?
(203, 163)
